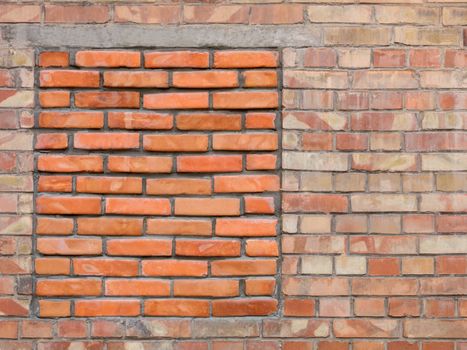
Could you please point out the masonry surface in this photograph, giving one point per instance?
(370, 247)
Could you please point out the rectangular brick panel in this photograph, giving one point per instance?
(158, 183)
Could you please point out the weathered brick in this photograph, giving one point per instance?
(159, 14)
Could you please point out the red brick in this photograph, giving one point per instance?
(70, 163)
(205, 79)
(175, 268)
(108, 59)
(245, 100)
(403, 307)
(388, 58)
(215, 14)
(17, 13)
(244, 307)
(139, 247)
(451, 223)
(49, 99)
(177, 186)
(77, 14)
(176, 143)
(299, 307)
(447, 265)
(316, 142)
(107, 329)
(68, 287)
(53, 59)
(208, 121)
(68, 78)
(449, 100)
(322, 57)
(434, 141)
(121, 307)
(105, 267)
(176, 307)
(132, 164)
(74, 120)
(245, 59)
(139, 288)
(440, 308)
(210, 248)
(246, 227)
(110, 226)
(425, 58)
(176, 59)
(68, 205)
(71, 329)
(246, 142)
(51, 141)
(314, 203)
(36, 329)
(202, 164)
(69, 246)
(383, 267)
(455, 58)
(420, 100)
(352, 142)
(107, 99)
(276, 14)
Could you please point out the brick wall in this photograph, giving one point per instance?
(371, 154)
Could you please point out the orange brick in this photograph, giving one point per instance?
(54, 184)
(120, 307)
(69, 164)
(68, 287)
(259, 205)
(176, 59)
(176, 143)
(49, 99)
(260, 247)
(134, 287)
(208, 121)
(136, 79)
(176, 307)
(179, 227)
(176, 186)
(112, 59)
(246, 142)
(176, 100)
(175, 268)
(263, 286)
(107, 99)
(54, 226)
(202, 164)
(74, 120)
(246, 227)
(76, 14)
(68, 205)
(105, 267)
(207, 248)
(246, 183)
(261, 161)
(110, 226)
(51, 141)
(245, 100)
(53, 59)
(69, 246)
(52, 266)
(88, 184)
(260, 121)
(243, 267)
(68, 78)
(206, 288)
(114, 140)
(299, 307)
(139, 247)
(137, 206)
(207, 206)
(144, 121)
(244, 307)
(54, 308)
(260, 78)
(132, 164)
(245, 59)
(205, 79)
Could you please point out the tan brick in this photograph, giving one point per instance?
(444, 120)
(315, 224)
(385, 141)
(384, 162)
(417, 182)
(315, 161)
(312, 181)
(16, 58)
(454, 16)
(349, 182)
(383, 202)
(451, 182)
(354, 58)
(17, 141)
(384, 182)
(350, 265)
(426, 36)
(315, 79)
(443, 79)
(406, 14)
(340, 14)
(384, 80)
(357, 36)
(316, 265)
(443, 245)
(444, 162)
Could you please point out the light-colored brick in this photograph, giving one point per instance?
(315, 161)
(340, 14)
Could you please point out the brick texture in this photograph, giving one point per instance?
(176, 200)
(138, 240)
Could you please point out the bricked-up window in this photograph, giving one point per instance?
(157, 190)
